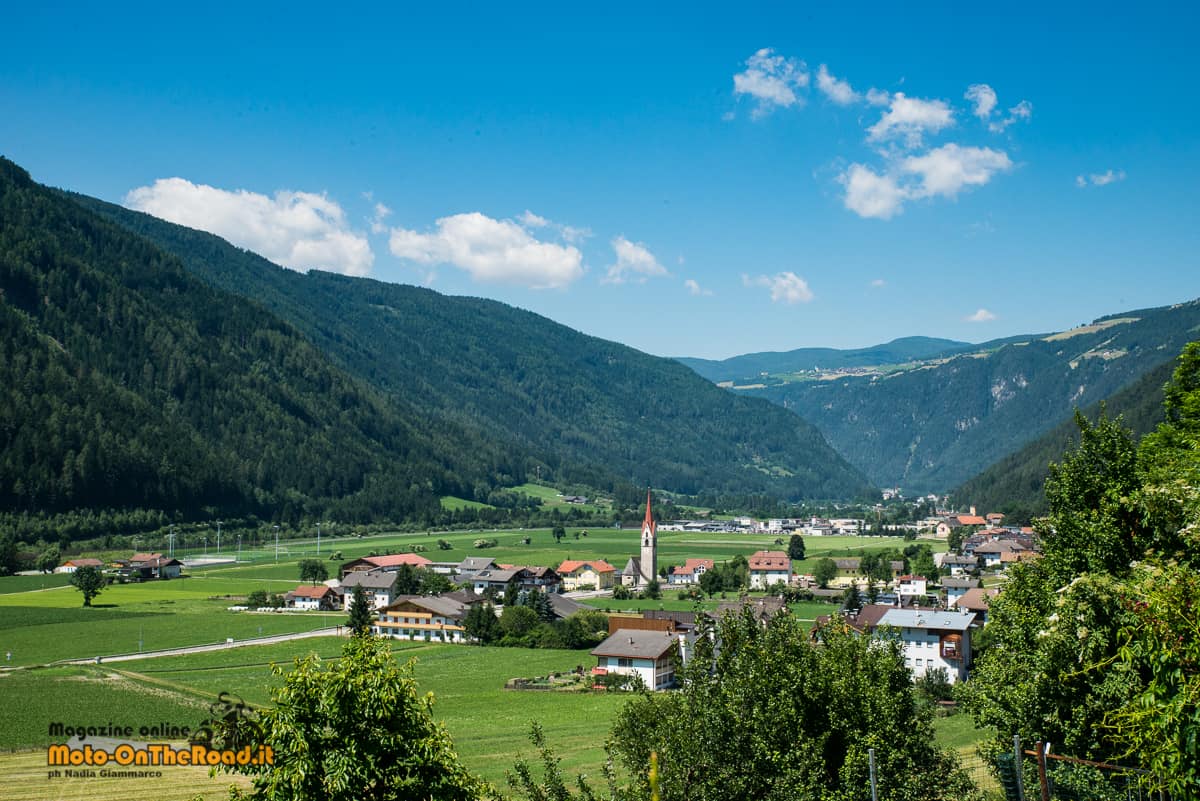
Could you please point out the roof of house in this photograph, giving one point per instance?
(770, 560)
(913, 578)
(995, 516)
(691, 565)
(473, 564)
(370, 579)
(999, 546)
(960, 582)
(537, 571)
(84, 562)
(850, 563)
(396, 559)
(977, 598)
(941, 620)
(763, 607)
(564, 606)
(636, 644)
(312, 591)
(144, 557)
(598, 565)
(971, 520)
(437, 604)
(960, 559)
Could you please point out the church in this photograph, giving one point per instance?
(641, 570)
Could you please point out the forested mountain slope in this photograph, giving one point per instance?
(1015, 485)
(126, 382)
(931, 426)
(587, 409)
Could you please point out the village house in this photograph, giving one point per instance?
(959, 564)
(318, 597)
(497, 579)
(145, 566)
(689, 572)
(933, 639)
(990, 552)
(71, 565)
(586, 574)
(647, 654)
(389, 563)
(471, 565)
(850, 570)
(912, 586)
(956, 586)
(434, 618)
(379, 586)
(769, 567)
(977, 600)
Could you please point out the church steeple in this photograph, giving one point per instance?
(648, 563)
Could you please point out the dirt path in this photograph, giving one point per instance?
(333, 631)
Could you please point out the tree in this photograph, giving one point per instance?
(851, 602)
(763, 713)
(408, 581)
(559, 532)
(824, 571)
(48, 559)
(481, 624)
(795, 547)
(256, 599)
(355, 728)
(360, 612)
(653, 590)
(313, 570)
(517, 621)
(89, 581)
(512, 593)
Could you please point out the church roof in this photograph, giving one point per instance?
(649, 521)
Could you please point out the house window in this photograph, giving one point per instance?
(624, 662)
(603, 661)
(920, 662)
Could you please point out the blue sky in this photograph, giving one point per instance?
(697, 180)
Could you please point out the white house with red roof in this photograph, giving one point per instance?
(71, 565)
(314, 597)
(912, 586)
(769, 567)
(689, 572)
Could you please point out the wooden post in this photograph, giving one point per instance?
(1018, 764)
(1043, 779)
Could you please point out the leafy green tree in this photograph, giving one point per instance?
(481, 624)
(824, 571)
(653, 590)
(313, 570)
(512, 593)
(763, 713)
(795, 547)
(48, 559)
(851, 602)
(361, 615)
(256, 599)
(356, 728)
(408, 580)
(89, 581)
(518, 621)
(559, 532)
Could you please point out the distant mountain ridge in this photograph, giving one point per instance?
(588, 410)
(753, 366)
(931, 425)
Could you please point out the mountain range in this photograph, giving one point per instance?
(927, 418)
(147, 365)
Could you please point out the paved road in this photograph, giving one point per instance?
(332, 631)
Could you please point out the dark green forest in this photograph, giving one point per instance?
(589, 411)
(127, 383)
(138, 386)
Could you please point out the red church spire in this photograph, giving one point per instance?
(648, 523)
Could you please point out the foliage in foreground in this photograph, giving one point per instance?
(765, 714)
(354, 729)
(1095, 648)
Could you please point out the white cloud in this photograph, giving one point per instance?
(300, 230)
(1021, 111)
(381, 213)
(980, 316)
(569, 233)
(984, 98)
(1100, 178)
(869, 194)
(634, 262)
(694, 288)
(947, 169)
(878, 97)
(878, 283)
(490, 251)
(771, 80)
(910, 117)
(838, 91)
(942, 172)
(786, 287)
